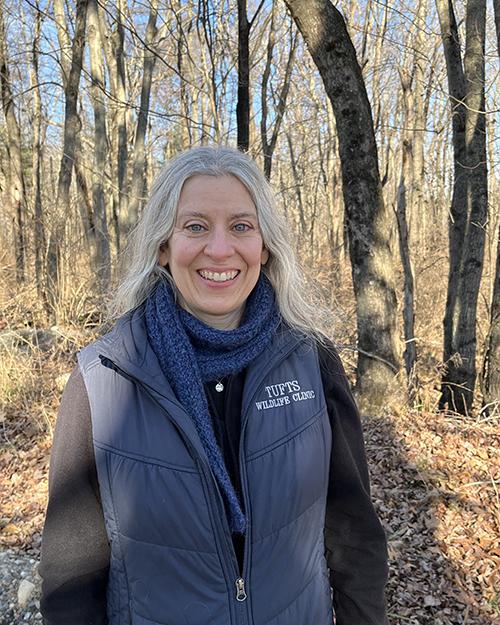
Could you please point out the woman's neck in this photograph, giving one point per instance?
(229, 321)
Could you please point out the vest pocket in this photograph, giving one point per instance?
(289, 436)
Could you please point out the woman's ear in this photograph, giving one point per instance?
(164, 255)
(264, 256)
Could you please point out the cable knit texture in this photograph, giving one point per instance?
(192, 353)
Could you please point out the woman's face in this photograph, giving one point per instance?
(216, 251)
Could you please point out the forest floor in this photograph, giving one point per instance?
(435, 482)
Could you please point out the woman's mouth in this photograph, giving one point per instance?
(215, 276)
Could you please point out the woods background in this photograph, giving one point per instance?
(377, 124)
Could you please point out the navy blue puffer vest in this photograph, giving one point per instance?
(172, 557)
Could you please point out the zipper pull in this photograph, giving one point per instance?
(241, 595)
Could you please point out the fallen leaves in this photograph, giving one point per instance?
(435, 482)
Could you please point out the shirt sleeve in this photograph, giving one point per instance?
(355, 542)
(75, 551)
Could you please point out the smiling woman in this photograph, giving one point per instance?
(208, 465)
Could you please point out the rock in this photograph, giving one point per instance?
(27, 339)
(25, 592)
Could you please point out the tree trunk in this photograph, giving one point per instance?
(418, 206)
(243, 105)
(40, 241)
(406, 179)
(368, 221)
(268, 146)
(102, 256)
(139, 161)
(496, 8)
(71, 131)
(15, 183)
(491, 370)
(469, 203)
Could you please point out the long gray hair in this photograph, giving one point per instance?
(158, 220)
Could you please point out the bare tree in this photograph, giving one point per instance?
(368, 221)
(470, 197)
(40, 240)
(16, 184)
(70, 142)
(102, 258)
(269, 146)
(491, 370)
(405, 179)
(243, 105)
(139, 158)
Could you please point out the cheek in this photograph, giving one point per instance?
(182, 254)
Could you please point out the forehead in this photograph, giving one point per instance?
(202, 193)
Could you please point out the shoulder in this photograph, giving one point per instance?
(116, 337)
(332, 370)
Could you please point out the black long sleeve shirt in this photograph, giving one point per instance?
(75, 550)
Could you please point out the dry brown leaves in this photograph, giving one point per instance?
(435, 480)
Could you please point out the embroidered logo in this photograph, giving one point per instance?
(284, 393)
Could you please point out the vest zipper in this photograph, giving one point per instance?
(240, 583)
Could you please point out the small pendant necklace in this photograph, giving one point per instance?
(219, 387)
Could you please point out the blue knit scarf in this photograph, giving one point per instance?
(192, 353)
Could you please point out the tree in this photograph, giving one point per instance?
(243, 104)
(70, 142)
(491, 371)
(468, 211)
(368, 220)
(102, 257)
(16, 183)
(268, 146)
(139, 158)
(40, 240)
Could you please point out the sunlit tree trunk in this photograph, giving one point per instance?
(368, 220)
(405, 180)
(137, 187)
(102, 257)
(71, 130)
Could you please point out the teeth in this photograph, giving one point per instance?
(218, 277)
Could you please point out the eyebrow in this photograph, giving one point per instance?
(204, 215)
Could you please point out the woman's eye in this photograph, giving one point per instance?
(241, 227)
(195, 227)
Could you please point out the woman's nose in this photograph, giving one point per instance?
(219, 244)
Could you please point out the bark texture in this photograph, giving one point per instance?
(368, 220)
(469, 203)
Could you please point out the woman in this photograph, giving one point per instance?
(208, 454)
